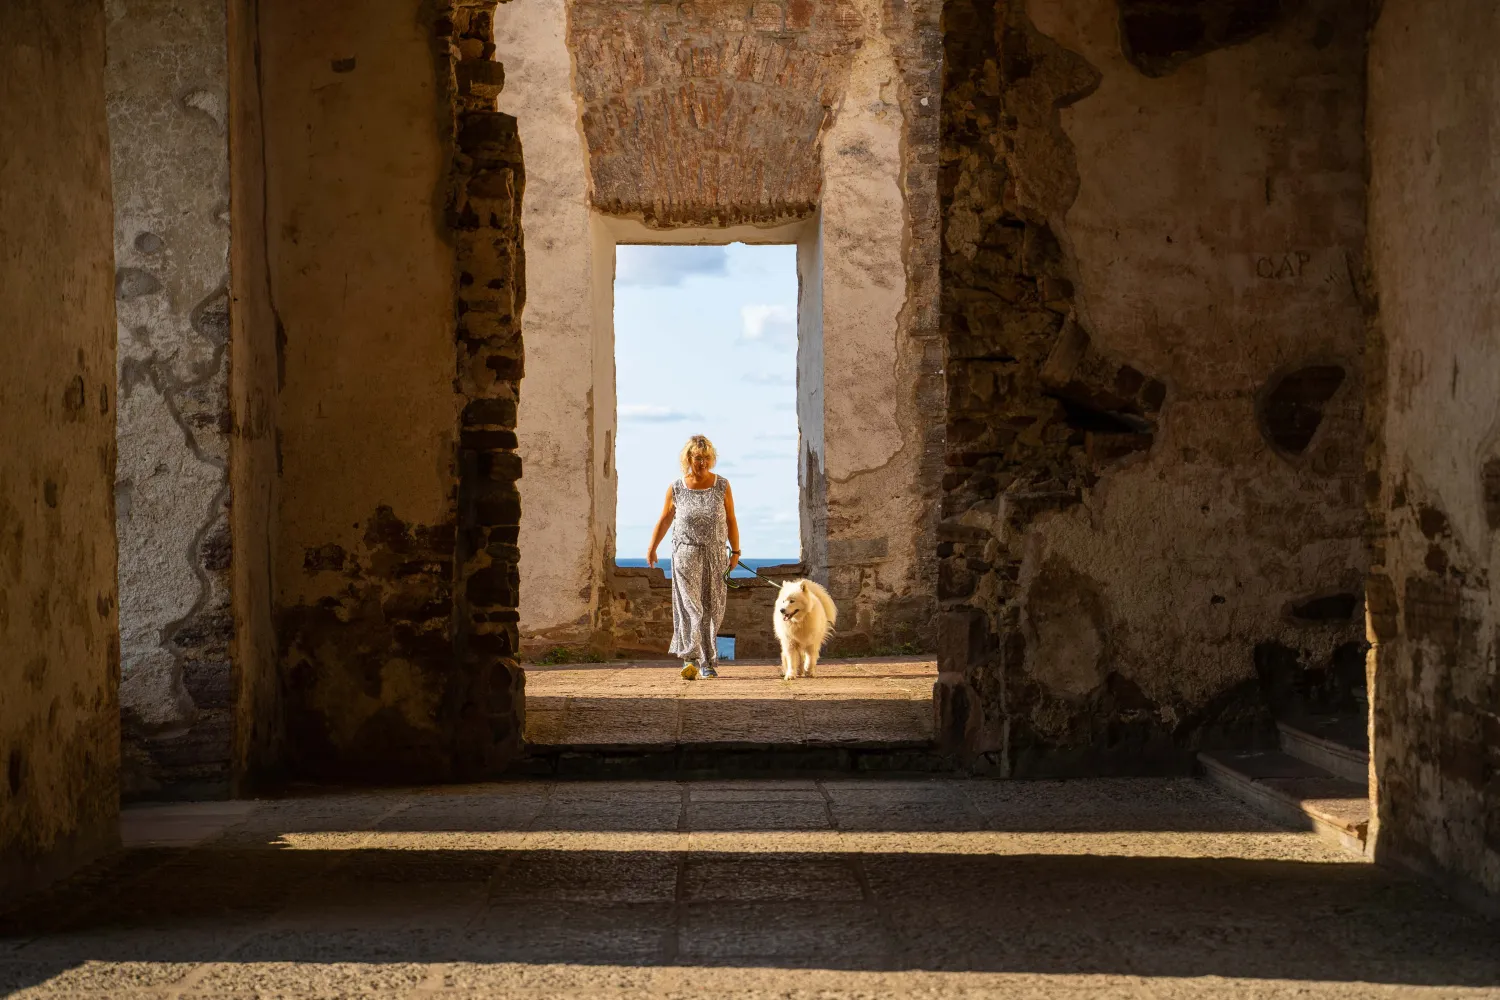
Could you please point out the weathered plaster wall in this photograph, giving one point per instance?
(258, 750)
(831, 95)
(812, 478)
(881, 368)
(1152, 535)
(59, 711)
(168, 112)
(560, 534)
(1432, 613)
(392, 202)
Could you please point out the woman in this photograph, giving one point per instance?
(700, 512)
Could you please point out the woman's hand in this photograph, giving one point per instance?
(734, 560)
(651, 558)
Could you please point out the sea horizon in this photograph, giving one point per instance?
(742, 571)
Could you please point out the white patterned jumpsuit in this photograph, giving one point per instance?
(700, 560)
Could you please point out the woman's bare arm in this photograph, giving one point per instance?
(734, 527)
(668, 511)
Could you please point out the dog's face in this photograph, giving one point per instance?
(792, 603)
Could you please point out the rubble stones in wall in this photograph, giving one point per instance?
(484, 215)
(1056, 616)
(639, 613)
(1037, 414)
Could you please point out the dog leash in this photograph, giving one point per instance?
(742, 583)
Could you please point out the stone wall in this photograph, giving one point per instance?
(1435, 422)
(780, 118)
(561, 591)
(1151, 535)
(877, 467)
(392, 211)
(640, 611)
(59, 710)
(169, 143)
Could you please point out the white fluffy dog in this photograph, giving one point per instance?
(804, 616)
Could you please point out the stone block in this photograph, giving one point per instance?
(481, 78)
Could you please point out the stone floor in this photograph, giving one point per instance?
(752, 890)
(874, 702)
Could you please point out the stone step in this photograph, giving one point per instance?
(1338, 744)
(732, 761)
(1294, 792)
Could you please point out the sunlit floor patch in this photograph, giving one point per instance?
(846, 702)
(792, 890)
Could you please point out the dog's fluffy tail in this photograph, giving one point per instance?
(829, 608)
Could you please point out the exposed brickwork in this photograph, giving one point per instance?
(708, 113)
(485, 217)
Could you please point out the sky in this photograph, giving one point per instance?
(706, 343)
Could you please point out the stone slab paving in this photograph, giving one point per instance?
(871, 703)
(752, 890)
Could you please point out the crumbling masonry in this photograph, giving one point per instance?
(1146, 372)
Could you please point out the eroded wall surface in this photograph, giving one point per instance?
(1153, 220)
(169, 144)
(710, 113)
(687, 121)
(392, 211)
(59, 711)
(565, 544)
(1434, 248)
(878, 463)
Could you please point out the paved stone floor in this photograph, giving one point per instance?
(875, 702)
(752, 890)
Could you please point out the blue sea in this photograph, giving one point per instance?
(740, 571)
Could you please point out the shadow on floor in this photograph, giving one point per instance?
(1036, 914)
(520, 882)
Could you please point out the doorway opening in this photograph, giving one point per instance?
(706, 343)
(720, 338)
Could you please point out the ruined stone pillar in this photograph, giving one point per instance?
(485, 219)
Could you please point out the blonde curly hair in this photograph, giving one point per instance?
(697, 445)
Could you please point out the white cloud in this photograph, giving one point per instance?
(650, 413)
(665, 266)
(769, 322)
